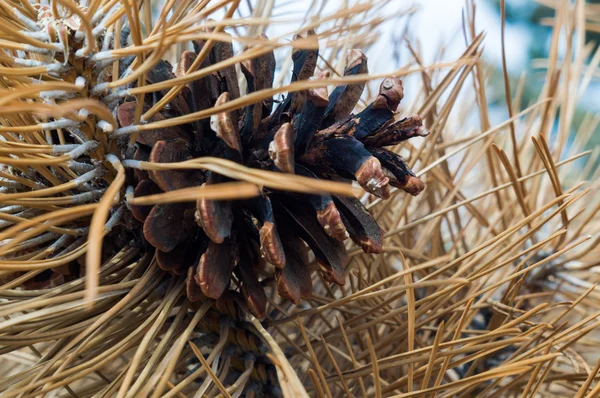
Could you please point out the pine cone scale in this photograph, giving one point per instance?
(310, 133)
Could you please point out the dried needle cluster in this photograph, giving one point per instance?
(116, 166)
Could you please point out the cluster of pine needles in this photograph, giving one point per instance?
(486, 285)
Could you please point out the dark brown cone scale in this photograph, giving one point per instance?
(413, 186)
(177, 150)
(390, 94)
(397, 132)
(281, 149)
(126, 114)
(371, 176)
(144, 188)
(215, 267)
(222, 51)
(142, 153)
(330, 253)
(192, 288)
(294, 282)
(344, 98)
(362, 228)
(252, 290)
(332, 223)
(168, 225)
(398, 171)
(215, 218)
(306, 59)
(270, 245)
(227, 127)
(311, 133)
(179, 259)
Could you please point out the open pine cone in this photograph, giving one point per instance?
(308, 133)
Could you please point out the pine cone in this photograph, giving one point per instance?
(308, 133)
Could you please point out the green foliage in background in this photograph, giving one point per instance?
(530, 15)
